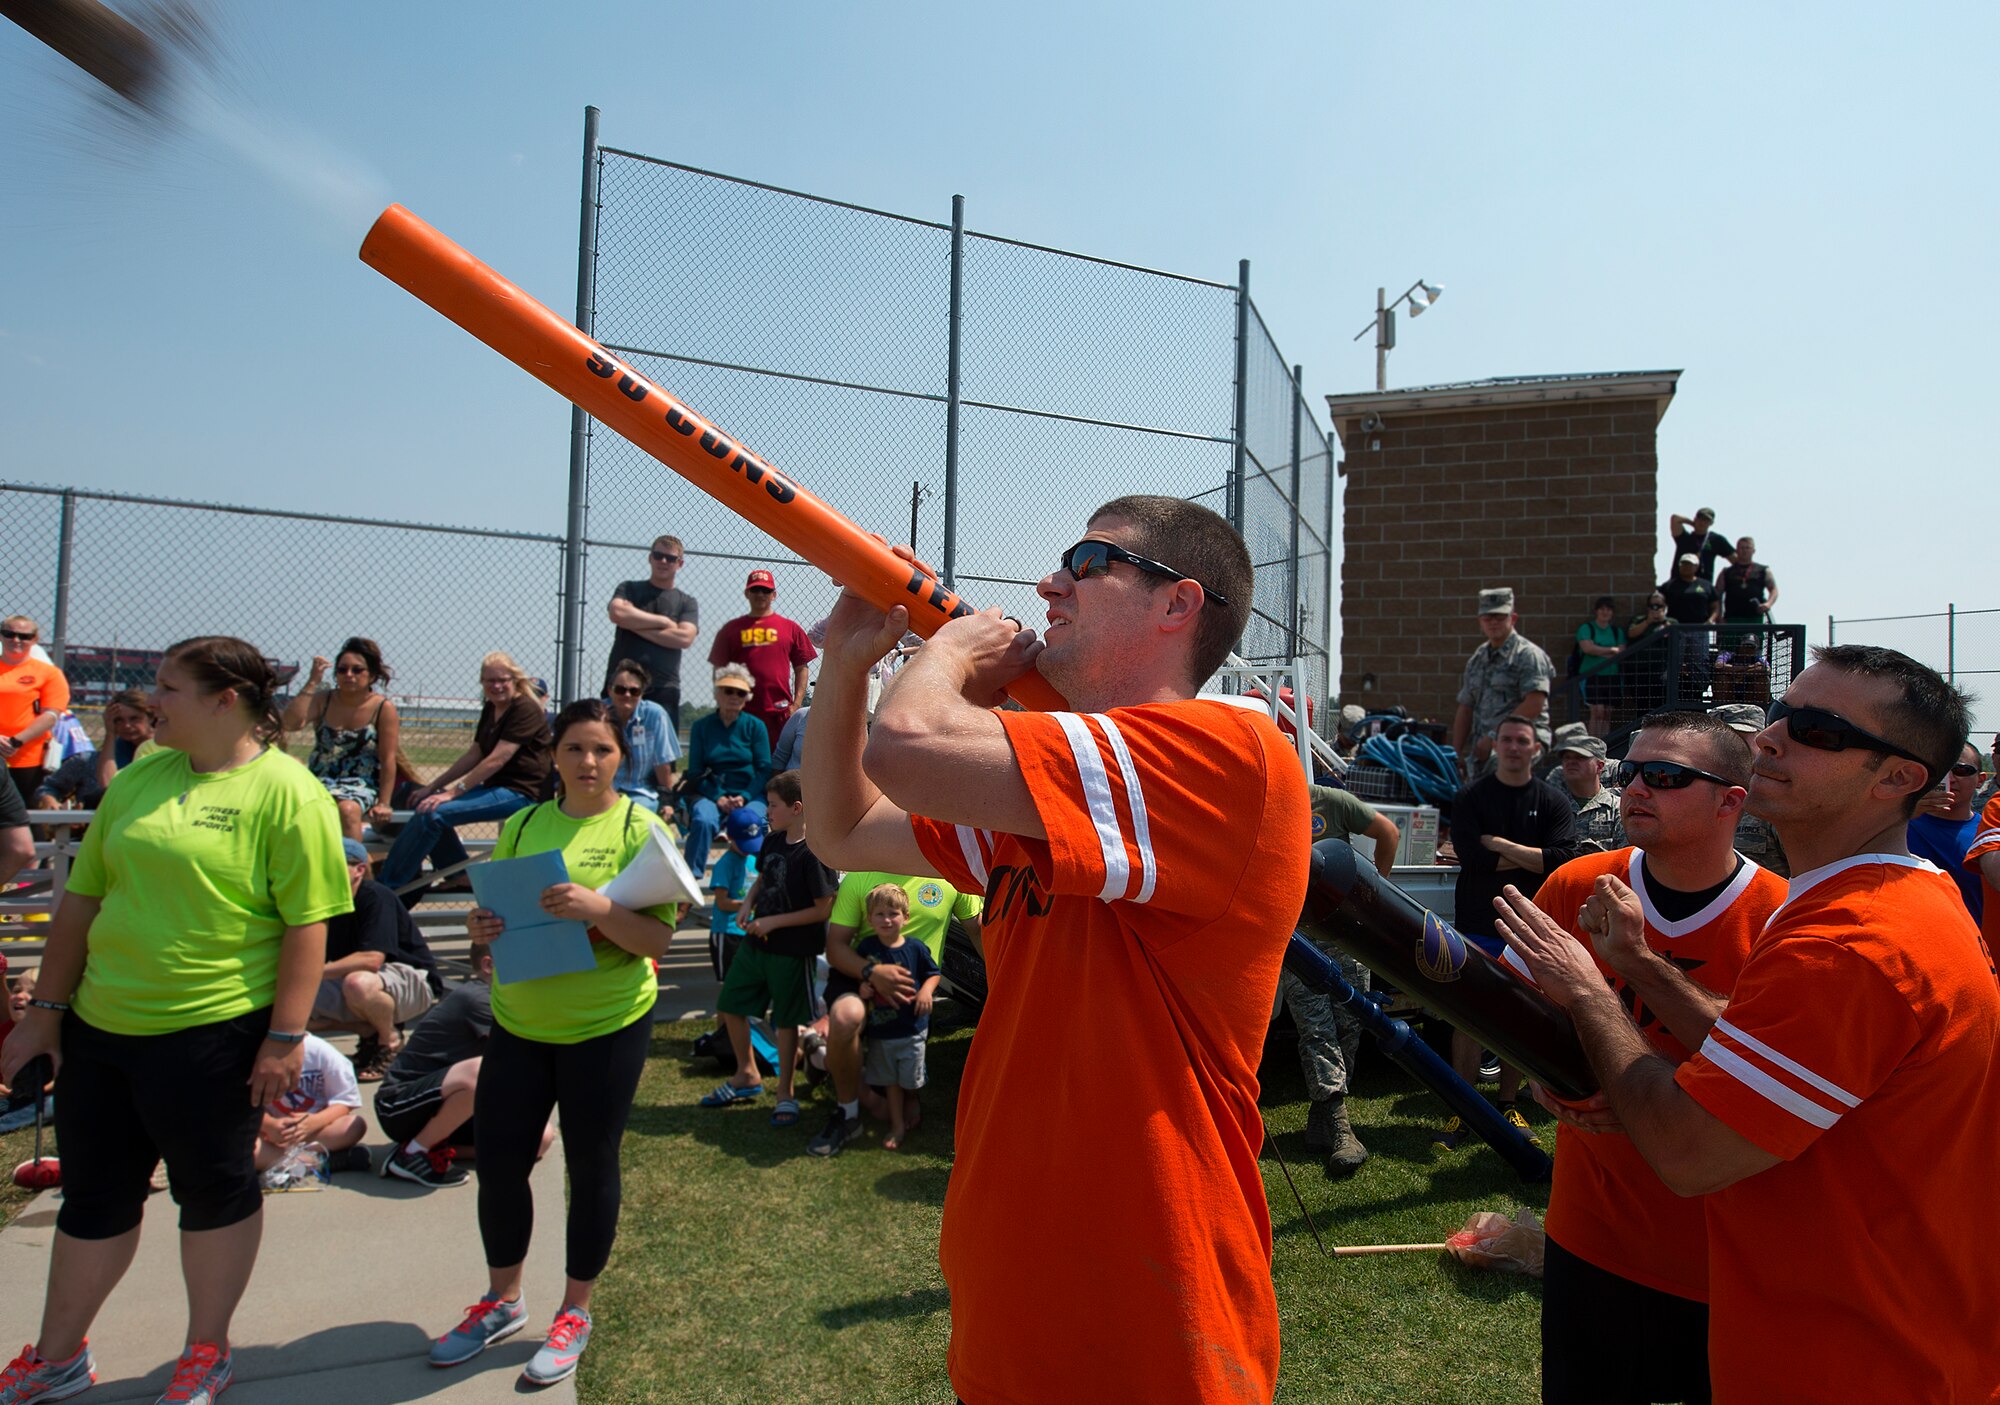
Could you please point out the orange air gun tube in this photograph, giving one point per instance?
(421, 261)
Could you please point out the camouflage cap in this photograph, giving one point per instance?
(1585, 745)
(1747, 718)
(1496, 600)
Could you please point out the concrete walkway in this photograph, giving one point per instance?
(352, 1282)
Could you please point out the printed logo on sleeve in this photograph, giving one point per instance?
(930, 895)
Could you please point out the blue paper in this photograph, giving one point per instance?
(533, 944)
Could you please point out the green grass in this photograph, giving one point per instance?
(16, 1147)
(747, 1270)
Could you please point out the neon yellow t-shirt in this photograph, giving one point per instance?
(200, 875)
(933, 903)
(582, 1005)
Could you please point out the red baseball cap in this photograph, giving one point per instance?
(761, 580)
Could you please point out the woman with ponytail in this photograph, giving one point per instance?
(172, 1002)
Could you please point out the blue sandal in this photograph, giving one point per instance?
(727, 1094)
(786, 1113)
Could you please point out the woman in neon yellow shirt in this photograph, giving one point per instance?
(173, 998)
(576, 1042)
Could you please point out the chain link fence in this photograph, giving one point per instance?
(112, 579)
(1963, 645)
(972, 394)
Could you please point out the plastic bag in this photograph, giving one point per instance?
(304, 1168)
(1491, 1240)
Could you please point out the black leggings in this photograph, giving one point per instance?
(520, 1082)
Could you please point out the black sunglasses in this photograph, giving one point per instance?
(1962, 769)
(16, 634)
(663, 556)
(1829, 731)
(626, 692)
(1664, 775)
(1094, 558)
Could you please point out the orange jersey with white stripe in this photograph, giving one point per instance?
(1105, 1229)
(1862, 1045)
(1986, 840)
(1607, 1206)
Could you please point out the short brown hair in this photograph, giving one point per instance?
(674, 542)
(890, 893)
(1729, 753)
(1199, 543)
(786, 786)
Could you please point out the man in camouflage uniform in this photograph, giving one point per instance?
(1506, 676)
(1329, 1034)
(1596, 803)
(1755, 839)
(1549, 768)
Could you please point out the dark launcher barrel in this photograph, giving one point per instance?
(1350, 905)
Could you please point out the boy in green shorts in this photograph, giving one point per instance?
(773, 968)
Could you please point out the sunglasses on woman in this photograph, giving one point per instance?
(1094, 558)
(1829, 731)
(1664, 775)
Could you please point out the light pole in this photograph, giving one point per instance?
(1419, 295)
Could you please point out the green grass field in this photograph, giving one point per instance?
(748, 1271)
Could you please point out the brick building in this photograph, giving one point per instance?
(1543, 483)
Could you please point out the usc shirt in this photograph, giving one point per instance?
(1607, 1206)
(1105, 1230)
(1859, 1045)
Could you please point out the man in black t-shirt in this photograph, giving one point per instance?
(425, 1101)
(1697, 534)
(1507, 827)
(1690, 599)
(379, 972)
(655, 622)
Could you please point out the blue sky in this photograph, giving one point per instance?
(1789, 202)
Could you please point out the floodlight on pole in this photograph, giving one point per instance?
(1419, 295)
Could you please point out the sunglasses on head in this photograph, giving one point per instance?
(664, 556)
(1094, 558)
(618, 692)
(1829, 731)
(27, 638)
(1664, 775)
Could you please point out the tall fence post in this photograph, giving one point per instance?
(1298, 482)
(1233, 497)
(1951, 643)
(951, 364)
(65, 544)
(1332, 606)
(569, 659)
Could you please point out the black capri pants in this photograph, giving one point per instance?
(1609, 1341)
(126, 1101)
(520, 1082)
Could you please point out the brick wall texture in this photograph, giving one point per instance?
(1558, 501)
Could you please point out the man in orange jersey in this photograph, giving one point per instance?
(1983, 859)
(1843, 1115)
(1625, 1291)
(1144, 858)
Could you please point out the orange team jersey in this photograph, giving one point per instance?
(27, 690)
(1105, 1230)
(1986, 840)
(1607, 1206)
(1859, 1045)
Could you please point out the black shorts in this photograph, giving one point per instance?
(839, 983)
(1607, 1340)
(126, 1101)
(13, 810)
(402, 1109)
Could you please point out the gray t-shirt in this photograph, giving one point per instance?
(663, 663)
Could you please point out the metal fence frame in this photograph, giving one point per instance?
(1276, 489)
(1951, 615)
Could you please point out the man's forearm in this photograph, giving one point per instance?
(1531, 704)
(1638, 1082)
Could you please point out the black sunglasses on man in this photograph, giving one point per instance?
(1094, 558)
(1829, 731)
